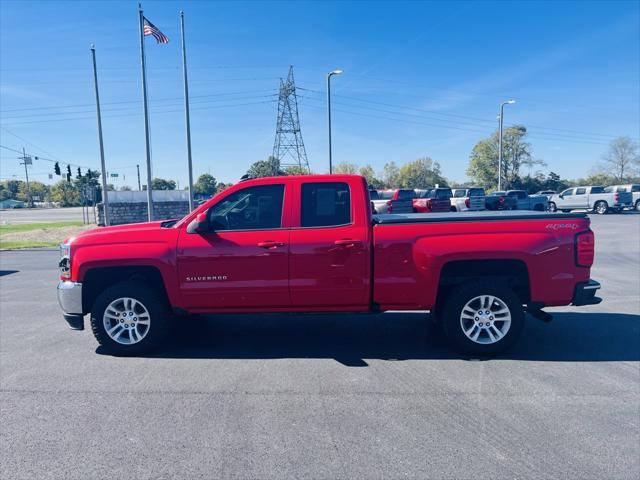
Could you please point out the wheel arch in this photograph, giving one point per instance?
(510, 271)
(96, 280)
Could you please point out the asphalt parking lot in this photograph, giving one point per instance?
(366, 396)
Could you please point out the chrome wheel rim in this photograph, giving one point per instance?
(601, 208)
(552, 207)
(126, 321)
(485, 319)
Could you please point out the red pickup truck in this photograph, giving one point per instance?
(311, 244)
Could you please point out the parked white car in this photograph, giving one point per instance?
(468, 199)
(594, 198)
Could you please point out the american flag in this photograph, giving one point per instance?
(151, 29)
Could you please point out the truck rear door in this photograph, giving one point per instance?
(329, 263)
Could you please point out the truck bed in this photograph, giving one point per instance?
(392, 218)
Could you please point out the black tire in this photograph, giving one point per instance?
(565, 210)
(454, 304)
(637, 207)
(553, 207)
(601, 207)
(158, 310)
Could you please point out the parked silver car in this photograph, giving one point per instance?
(594, 198)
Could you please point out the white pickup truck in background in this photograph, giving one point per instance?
(466, 199)
(595, 198)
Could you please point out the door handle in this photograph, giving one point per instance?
(270, 244)
(347, 242)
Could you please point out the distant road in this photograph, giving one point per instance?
(42, 215)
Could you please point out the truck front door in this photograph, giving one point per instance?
(330, 248)
(242, 262)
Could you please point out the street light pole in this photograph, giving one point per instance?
(329, 75)
(508, 102)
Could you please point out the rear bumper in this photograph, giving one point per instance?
(585, 293)
(70, 300)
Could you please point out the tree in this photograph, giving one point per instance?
(205, 185)
(368, 173)
(516, 153)
(162, 184)
(622, 161)
(420, 173)
(65, 193)
(38, 191)
(125, 188)
(265, 168)
(345, 167)
(223, 186)
(390, 175)
(296, 170)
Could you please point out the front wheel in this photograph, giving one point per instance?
(601, 207)
(483, 318)
(129, 319)
(553, 207)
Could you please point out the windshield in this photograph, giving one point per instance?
(373, 195)
(459, 193)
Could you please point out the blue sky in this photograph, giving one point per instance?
(421, 79)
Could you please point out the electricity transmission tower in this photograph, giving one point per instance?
(288, 147)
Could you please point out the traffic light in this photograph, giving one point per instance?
(56, 169)
(79, 176)
(68, 173)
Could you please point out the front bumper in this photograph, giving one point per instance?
(585, 293)
(70, 300)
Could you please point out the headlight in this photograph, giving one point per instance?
(65, 261)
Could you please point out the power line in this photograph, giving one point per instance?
(467, 117)
(134, 114)
(137, 102)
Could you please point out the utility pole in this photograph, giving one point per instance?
(329, 75)
(508, 102)
(105, 202)
(27, 161)
(138, 168)
(186, 111)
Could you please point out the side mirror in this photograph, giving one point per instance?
(200, 224)
(560, 195)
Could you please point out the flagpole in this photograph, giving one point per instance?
(186, 111)
(146, 115)
(105, 203)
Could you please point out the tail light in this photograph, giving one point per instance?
(429, 204)
(389, 206)
(616, 197)
(585, 248)
(467, 202)
(501, 201)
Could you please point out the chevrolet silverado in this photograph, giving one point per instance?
(311, 244)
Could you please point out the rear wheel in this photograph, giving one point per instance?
(601, 207)
(637, 207)
(129, 319)
(483, 318)
(553, 207)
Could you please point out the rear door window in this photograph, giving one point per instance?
(443, 194)
(593, 190)
(406, 194)
(325, 204)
